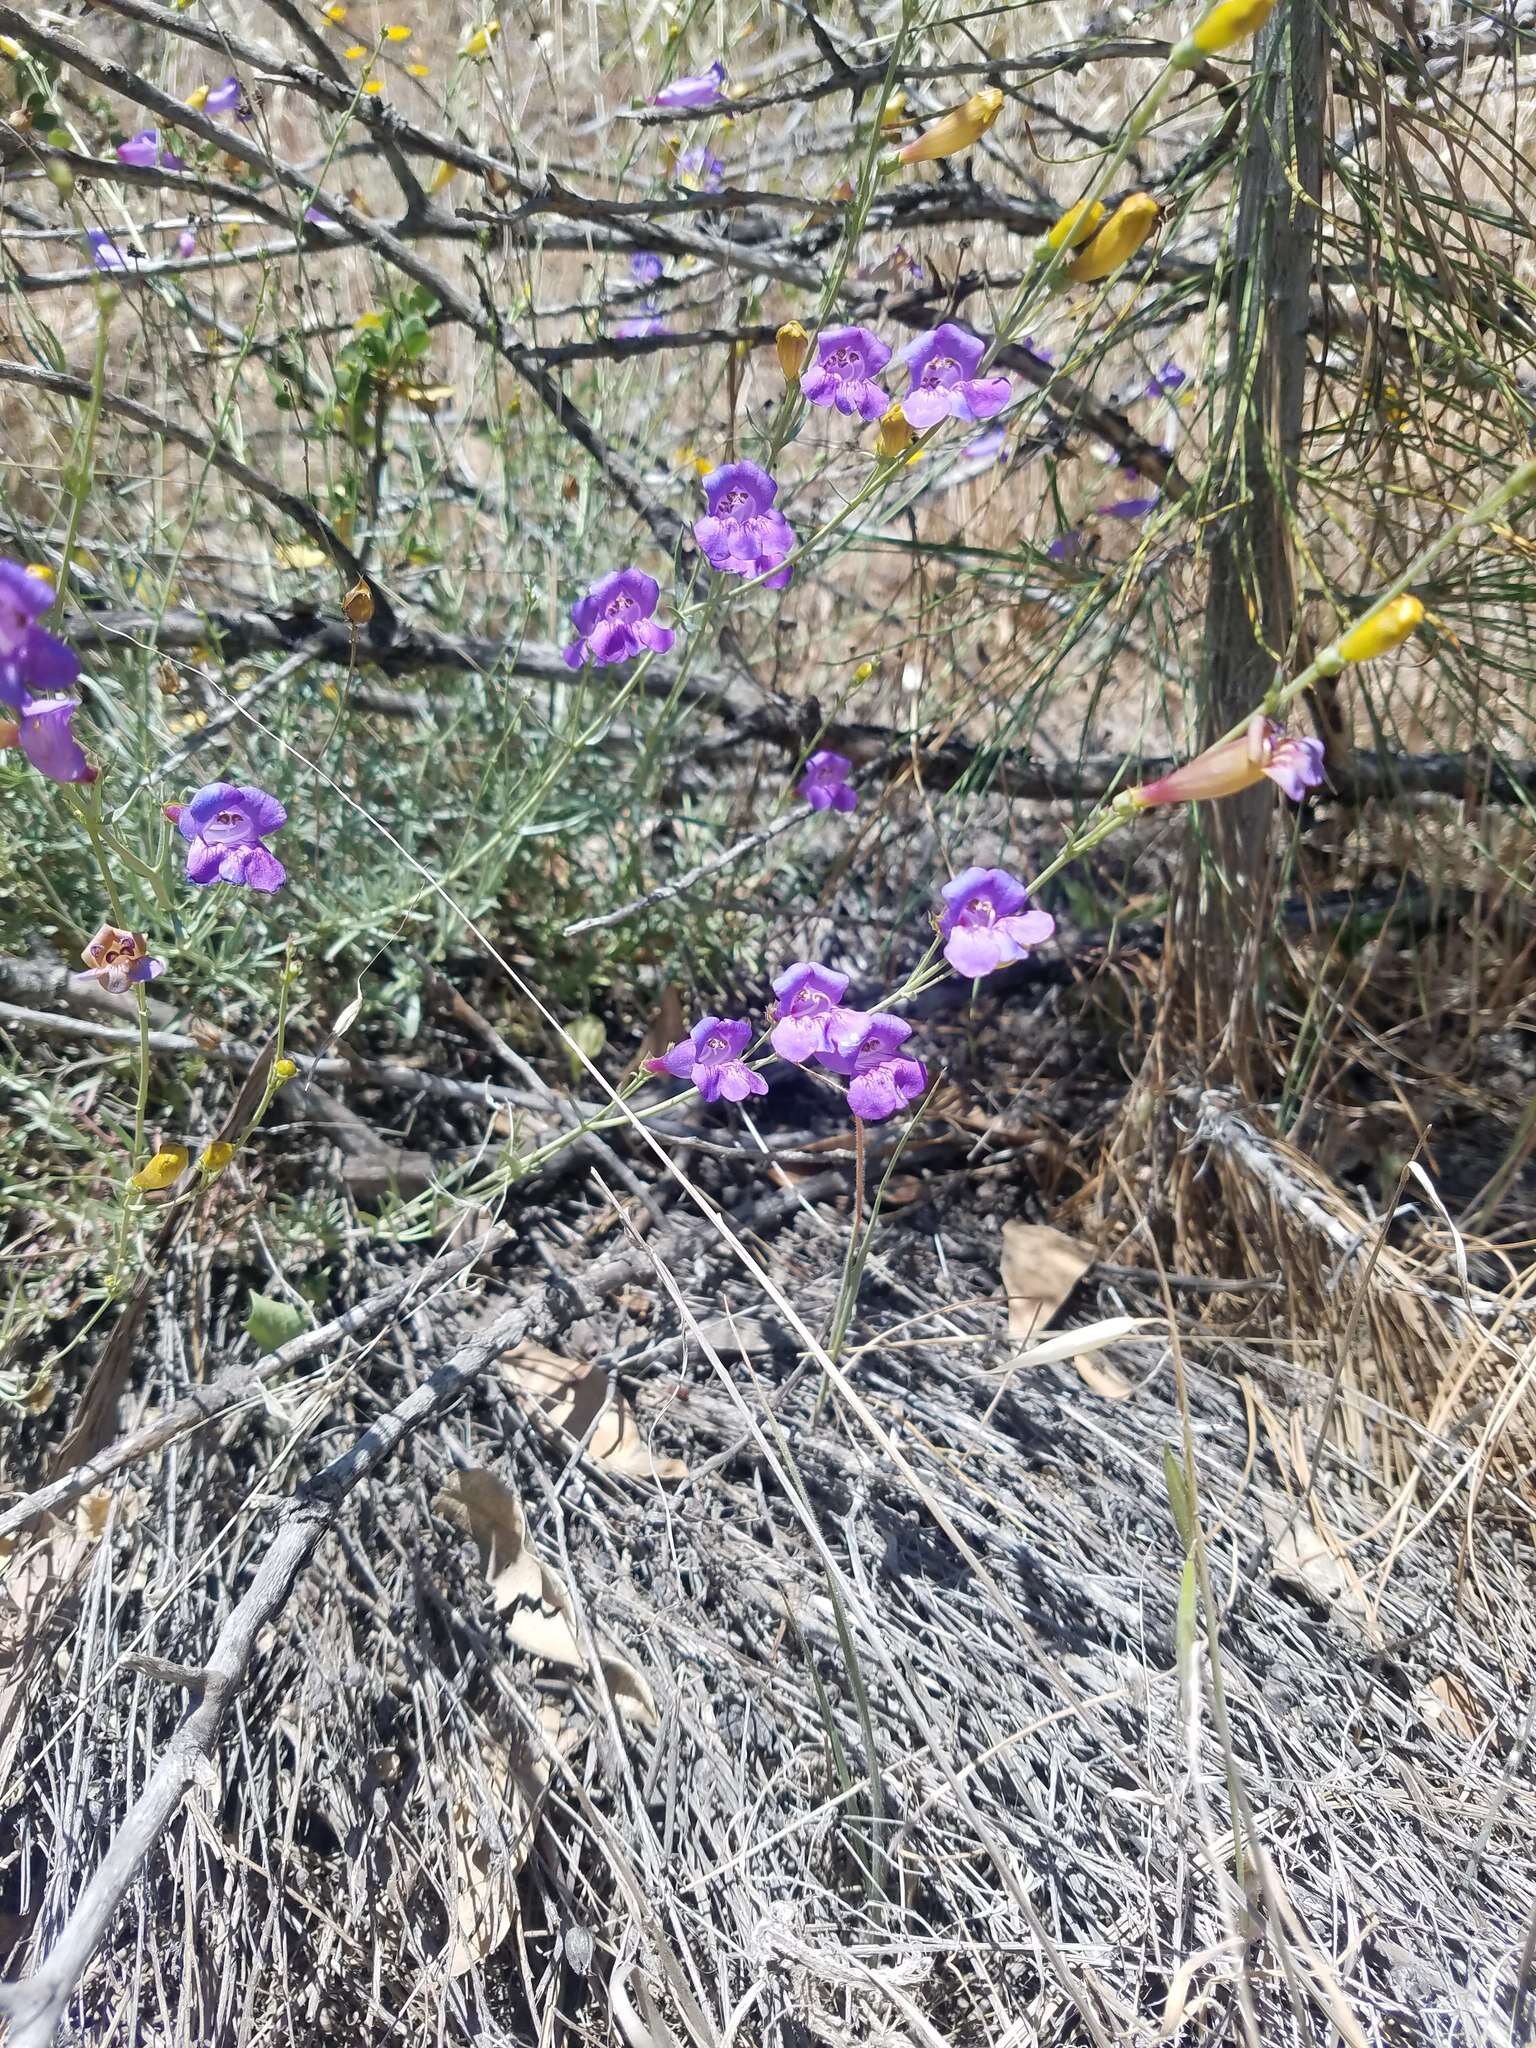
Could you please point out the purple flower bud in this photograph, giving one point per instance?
(186, 243)
(987, 922)
(105, 253)
(225, 825)
(848, 360)
(945, 385)
(741, 533)
(615, 620)
(1131, 508)
(865, 1047)
(808, 999)
(825, 784)
(1169, 379)
(701, 89)
(711, 1058)
(645, 266)
(1067, 547)
(146, 152)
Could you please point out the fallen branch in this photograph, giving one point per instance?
(36, 2005)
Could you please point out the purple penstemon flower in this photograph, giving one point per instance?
(224, 825)
(146, 152)
(1293, 763)
(945, 385)
(741, 533)
(615, 620)
(1070, 546)
(808, 1002)
(641, 325)
(866, 1049)
(1166, 381)
(848, 360)
(186, 243)
(105, 253)
(645, 266)
(40, 727)
(223, 98)
(699, 89)
(825, 783)
(987, 922)
(116, 959)
(711, 1058)
(700, 170)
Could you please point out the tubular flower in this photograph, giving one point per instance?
(160, 1172)
(223, 98)
(703, 89)
(115, 959)
(216, 1156)
(1228, 22)
(809, 998)
(700, 170)
(146, 152)
(1388, 626)
(1117, 241)
(40, 727)
(987, 922)
(956, 130)
(615, 620)
(943, 366)
(791, 345)
(225, 825)
(711, 1058)
(479, 43)
(825, 783)
(645, 266)
(1077, 224)
(642, 325)
(848, 360)
(895, 436)
(865, 1048)
(741, 532)
(1296, 765)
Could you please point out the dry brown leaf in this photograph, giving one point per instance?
(1040, 1267)
(494, 1810)
(566, 1395)
(1101, 1378)
(532, 1598)
(1302, 1556)
(1448, 1704)
(667, 1026)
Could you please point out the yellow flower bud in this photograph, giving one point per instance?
(1228, 22)
(216, 1157)
(1117, 241)
(443, 177)
(894, 111)
(894, 435)
(479, 44)
(790, 345)
(1077, 224)
(956, 130)
(163, 1171)
(284, 1069)
(199, 99)
(1382, 630)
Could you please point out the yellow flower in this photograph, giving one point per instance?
(374, 85)
(419, 70)
(10, 49)
(163, 1171)
(479, 44)
(42, 571)
(336, 13)
(199, 99)
(956, 130)
(1228, 22)
(790, 345)
(284, 1069)
(1117, 241)
(894, 435)
(216, 1157)
(443, 177)
(1077, 224)
(354, 52)
(366, 321)
(1381, 630)
(397, 34)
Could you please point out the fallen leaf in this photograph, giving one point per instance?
(1101, 1378)
(270, 1323)
(565, 1395)
(1303, 1557)
(667, 1026)
(1040, 1268)
(495, 1807)
(1448, 1704)
(527, 1594)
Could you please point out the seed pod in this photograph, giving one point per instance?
(358, 604)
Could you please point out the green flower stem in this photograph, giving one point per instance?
(81, 473)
